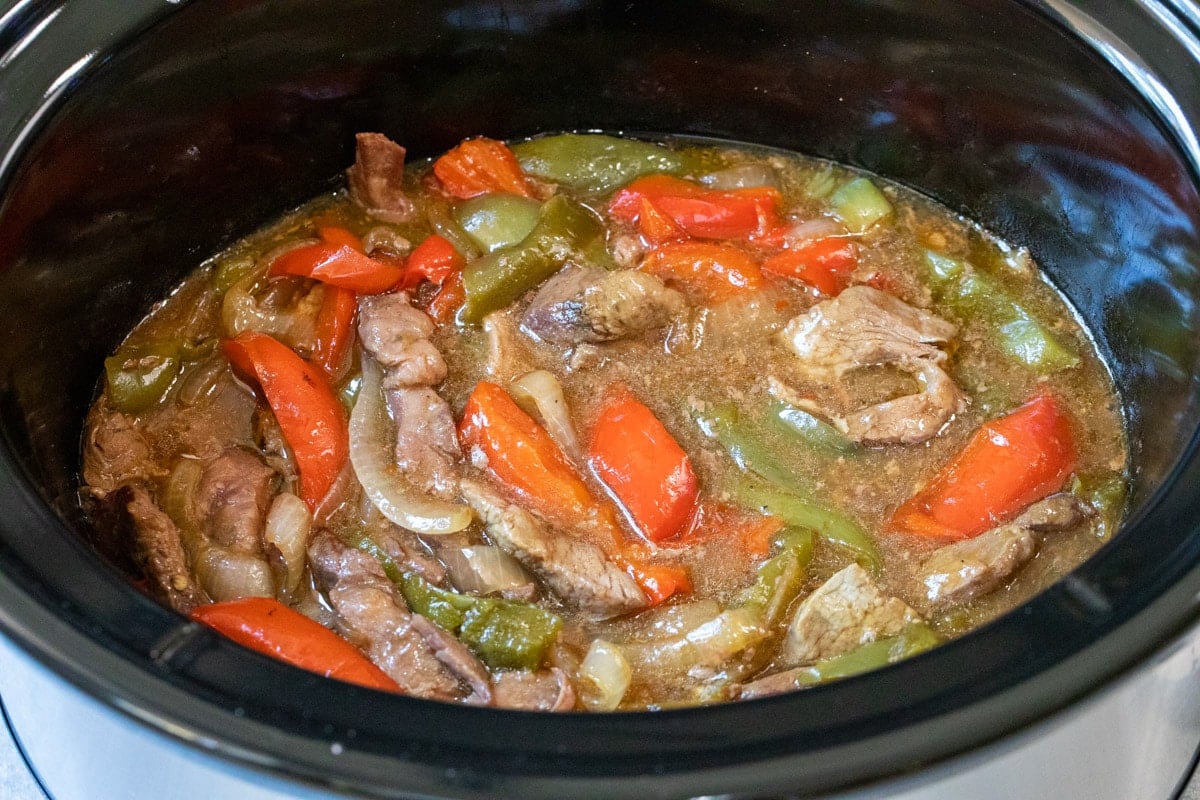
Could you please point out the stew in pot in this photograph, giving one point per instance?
(592, 423)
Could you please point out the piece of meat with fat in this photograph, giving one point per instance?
(232, 498)
(586, 304)
(844, 613)
(376, 179)
(544, 690)
(115, 452)
(397, 336)
(573, 568)
(866, 327)
(427, 450)
(973, 567)
(158, 551)
(409, 648)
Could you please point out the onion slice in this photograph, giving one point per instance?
(287, 528)
(390, 492)
(743, 176)
(230, 575)
(483, 570)
(543, 391)
(606, 675)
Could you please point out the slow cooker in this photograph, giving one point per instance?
(138, 137)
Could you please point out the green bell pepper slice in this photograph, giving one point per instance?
(781, 577)
(594, 163)
(137, 377)
(494, 221)
(816, 434)
(565, 230)
(722, 421)
(916, 637)
(970, 293)
(504, 634)
(859, 204)
(1107, 494)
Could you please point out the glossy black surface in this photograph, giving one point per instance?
(185, 130)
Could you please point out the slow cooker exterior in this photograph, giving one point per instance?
(137, 139)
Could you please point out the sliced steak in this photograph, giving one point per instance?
(864, 327)
(232, 499)
(403, 547)
(406, 646)
(575, 569)
(427, 450)
(973, 567)
(377, 177)
(158, 550)
(586, 304)
(115, 453)
(774, 684)
(845, 612)
(397, 335)
(545, 690)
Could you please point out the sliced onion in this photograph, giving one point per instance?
(743, 176)
(388, 490)
(228, 574)
(665, 622)
(606, 675)
(541, 390)
(177, 502)
(810, 230)
(726, 635)
(242, 310)
(483, 570)
(288, 525)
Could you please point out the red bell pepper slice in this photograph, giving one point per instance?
(655, 226)
(445, 304)
(433, 260)
(713, 272)
(698, 211)
(825, 264)
(522, 456)
(481, 166)
(659, 581)
(335, 331)
(643, 466)
(312, 420)
(339, 261)
(265, 625)
(1008, 463)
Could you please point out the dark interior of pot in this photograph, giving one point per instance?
(221, 115)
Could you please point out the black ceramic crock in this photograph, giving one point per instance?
(138, 137)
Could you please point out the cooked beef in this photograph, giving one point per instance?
(376, 615)
(397, 335)
(506, 357)
(545, 690)
(232, 499)
(865, 327)
(586, 304)
(457, 658)
(846, 611)
(427, 450)
(776, 683)
(159, 551)
(972, 567)
(377, 178)
(403, 547)
(115, 452)
(575, 569)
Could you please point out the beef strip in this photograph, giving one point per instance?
(575, 569)
(403, 547)
(115, 452)
(232, 499)
(545, 690)
(377, 178)
(773, 684)
(397, 335)
(427, 450)
(586, 304)
(409, 648)
(973, 567)
(158, 550)
(845, 612)
(864, 327)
